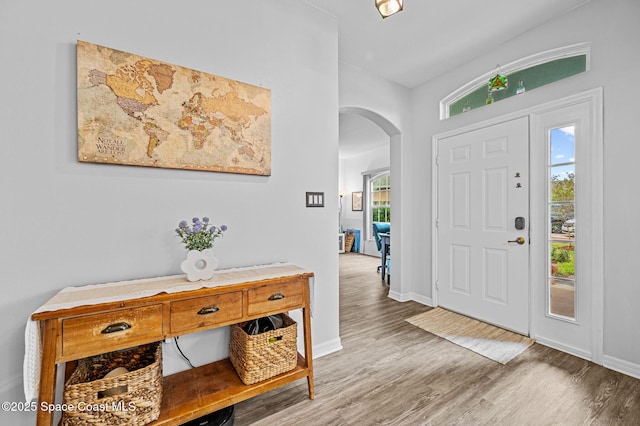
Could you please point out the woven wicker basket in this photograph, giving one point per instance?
(140, 401)
(348, 242)
(262, 356)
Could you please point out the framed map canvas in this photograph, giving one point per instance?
(138, 111)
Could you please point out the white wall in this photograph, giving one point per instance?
(612, 28)
(66, 223)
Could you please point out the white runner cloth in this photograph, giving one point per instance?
(71, 297)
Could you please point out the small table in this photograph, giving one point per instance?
(158, 308)
(385, 238)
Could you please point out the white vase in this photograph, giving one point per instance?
(199, 265)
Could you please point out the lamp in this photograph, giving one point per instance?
(389, 7)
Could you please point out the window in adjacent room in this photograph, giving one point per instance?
(379, 199)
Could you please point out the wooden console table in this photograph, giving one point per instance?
(232, 296)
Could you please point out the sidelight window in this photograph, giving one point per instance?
(562, 222)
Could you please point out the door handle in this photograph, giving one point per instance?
(519, 240)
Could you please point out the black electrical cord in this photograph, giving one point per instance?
(175, 339)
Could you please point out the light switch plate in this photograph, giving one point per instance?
(315, 199)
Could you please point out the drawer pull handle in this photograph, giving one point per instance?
(113, 328)
(276, 296)
(208, 310)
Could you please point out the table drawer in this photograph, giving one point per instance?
(276, 297)
(92, 334)
(204, 312)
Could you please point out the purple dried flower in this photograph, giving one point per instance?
(199, 235)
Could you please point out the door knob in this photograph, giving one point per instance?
(519, 240)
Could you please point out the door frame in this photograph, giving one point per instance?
(594, 98)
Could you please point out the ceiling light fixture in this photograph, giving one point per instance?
(389, 7)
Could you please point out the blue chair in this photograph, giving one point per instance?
(381, 228)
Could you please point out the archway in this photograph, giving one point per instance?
(395, 137)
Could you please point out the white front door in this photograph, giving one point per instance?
(483, 222)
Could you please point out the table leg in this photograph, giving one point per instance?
(306, 318)
(47, 391)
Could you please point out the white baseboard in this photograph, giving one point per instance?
(621, 366)
(422, 299)
(405, 297)
(563, 348)
(327, 348)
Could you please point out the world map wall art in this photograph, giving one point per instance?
(138, 111)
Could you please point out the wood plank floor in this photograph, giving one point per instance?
(392, 373)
